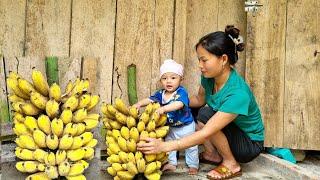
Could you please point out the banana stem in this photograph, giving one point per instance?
(132, 87)
(52, 70)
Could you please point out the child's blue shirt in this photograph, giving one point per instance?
(179, 117)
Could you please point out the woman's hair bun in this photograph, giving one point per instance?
(234, 32)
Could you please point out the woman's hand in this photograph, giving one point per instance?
(160, 110)
(151, 146)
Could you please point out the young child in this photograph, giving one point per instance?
(174, 101)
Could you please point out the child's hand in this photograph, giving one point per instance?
(160, 110)
(137, 105)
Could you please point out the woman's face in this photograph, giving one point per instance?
(210, 65)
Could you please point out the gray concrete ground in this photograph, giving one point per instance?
(263, 167)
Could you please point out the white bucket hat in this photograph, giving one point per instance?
(169, 65)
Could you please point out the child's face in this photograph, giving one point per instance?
(170, 81)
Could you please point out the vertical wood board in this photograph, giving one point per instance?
(12, 29)
(265, 55)
(48, 28)
(302, 77)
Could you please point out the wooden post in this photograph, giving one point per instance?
(132, 87)
(52, 70)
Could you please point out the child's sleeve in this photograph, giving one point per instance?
(182, 95)
(156, 97)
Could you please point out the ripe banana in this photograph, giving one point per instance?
(92, 143)
(71, 129)
(141, 165)
(40, 82)
(61, 156)
(121, 118)
(125, 132)
(52, 172)
(38, 100)
(16, 107)
(122, 144)
(152, 134)
(44, 124)
(66, 116)
(120, 106)
(131, 145)
(151, 167)
(133, 112)
(115, 124)
(25, 86)
(76, 155)
(90, 123)
(81, 127)
(31, 166)
(38, 176)
(89, 153)
(77, 143)
(31, 123)
(162, 120)
(52, 141)
(24, 154)
(52, 108)
(51, 159)
(57, 127)
(71, 103)
(13, 85)
(84, 100)
(149, 109)
(111, 171)
(80, 115)
(55, 92)
(40, 155)
(86, 137)
(125, 175)
(64, 168)
(20, 129)
(132, 168)
(94, 100)
(150, 157)
(79, 177)
(20, 166)
(131, 122)
(39, 138)
(134, 134)
(27, 142)
(144, 117)
(151, 126)
(19, 117)
(15, 98)
(66, 142)
(29, 109)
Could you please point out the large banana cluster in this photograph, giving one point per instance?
(124, 128)
(53, 128)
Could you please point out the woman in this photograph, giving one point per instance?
(230, 126)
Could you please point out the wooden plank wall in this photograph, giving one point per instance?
(97, 40)
(302, 76)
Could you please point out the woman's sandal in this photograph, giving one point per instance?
(224, 172)
(205, 161)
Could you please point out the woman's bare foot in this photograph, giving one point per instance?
(193, 171)
(213, 157)
(169, 167)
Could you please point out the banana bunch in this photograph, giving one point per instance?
(124, 129)
(53, 127)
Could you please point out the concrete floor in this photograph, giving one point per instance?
(263, 167)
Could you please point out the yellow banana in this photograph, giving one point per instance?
(115, 124)
(123, 157)
(84, 100)
(161, 133)
(25, 86)
(117, 167)
(132, 168)
(80, 115)
(125, 175)
(40, 155)
(78, 88)
(13, 85)
(31, 123)
(16, 107)
(14, 98)
(69, 87)
(131, 145)
(106, 124)
(144, 117)
(122, 144)
(105, 112)
(94, 100)
(125, 132)
(115, 134)
(31, 166)
(52, 141)
(89, 153)
(112, 111)
(133, 112)
(55, 92)
(94, 116)
(52, 108)
(79, 177)
(152, 134)
(131, 157)
(38, 176)
(76, 155)
(19, 117)
(155, 117)
(111, 171)
(66, 142)
(162, 120)
(92, 143)
(114, 158)
(151, 126)
(90, 123)
(134, 134)
(52, 172)
(71, 103)
(121, 118)
(29, 109)
(141, 165)
(64, 168)
(150, 168)
(87, 136)
(51, 159)
(154, 176)
(66, 116)
(155, 106)
(81, 127)
(150, 157)
(24, 154)
(76, 169)
(39, 138)
(61, 156)
(121, 106)
(77, 143)
(131, 122)
(20, 166)
(38, 100)
(144, 134)
(20, 129)
(40, 82)
(27, 142)
(114, 148)
(71, 129)
(57, 127)
(149, 109)
(44, 124)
